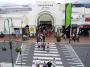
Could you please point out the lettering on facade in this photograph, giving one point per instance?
(45, 5)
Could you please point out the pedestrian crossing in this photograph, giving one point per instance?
(71, 56)
(47, 55)
(22, 59)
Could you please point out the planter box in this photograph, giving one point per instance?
(18, 49)
(58, 39)
(1, 35)
(3, 48)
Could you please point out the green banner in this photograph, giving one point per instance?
(68, 12)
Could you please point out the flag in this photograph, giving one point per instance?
(68, 12)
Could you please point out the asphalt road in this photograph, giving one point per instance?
(70, 55)
(83, 52)
(5, 56)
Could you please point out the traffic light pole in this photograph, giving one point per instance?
(10, 44)
(21, 57)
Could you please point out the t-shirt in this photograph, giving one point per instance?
(37, 62)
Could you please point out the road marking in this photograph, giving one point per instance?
(20, 63)
(18, 54)
(47, 58)
(42, 61)
(51, 52)
(70, 47)
(47, 55)
(73, 63)
(23, 56)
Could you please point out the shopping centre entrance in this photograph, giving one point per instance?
(45, 21)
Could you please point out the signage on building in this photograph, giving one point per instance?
(87, 19)
(45, 5)
(81, 5)
(86, 26)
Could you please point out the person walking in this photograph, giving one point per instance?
(43, 36)
(38, 38)
(49, 64)
(37, 63)
(47, 47)
(43, 44)
(54, 62)
(44, 65)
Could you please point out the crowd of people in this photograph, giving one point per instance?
(46, 64)
(74, 37)
(44, 29)
(42, 33)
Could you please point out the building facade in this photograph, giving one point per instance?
(43, 12)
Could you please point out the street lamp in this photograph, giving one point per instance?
(10, 44)
(21, 41)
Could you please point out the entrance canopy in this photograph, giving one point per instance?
(45, 18)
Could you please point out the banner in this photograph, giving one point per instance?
(68, 11)
(31, 30)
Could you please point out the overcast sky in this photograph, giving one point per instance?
(22, 2)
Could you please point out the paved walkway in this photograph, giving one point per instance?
(51, 38)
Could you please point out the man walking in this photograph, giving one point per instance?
(49, 64)
(37, 63)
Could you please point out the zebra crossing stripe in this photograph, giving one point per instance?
(24, 54)
(79, 65)
(67, 51)
(73, 63)
(73, 60)
(26, 49)
(22, 66)
(77, 56)
(53, 47)
(70, 56)
(20, 63)
(42, 66)
(51, 52)
(46, 54)
(48, 45)
(47, 48)
(47, 58)
(70, 53)
(18, 55)
(42, 61)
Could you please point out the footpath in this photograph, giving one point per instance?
(49, 39)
